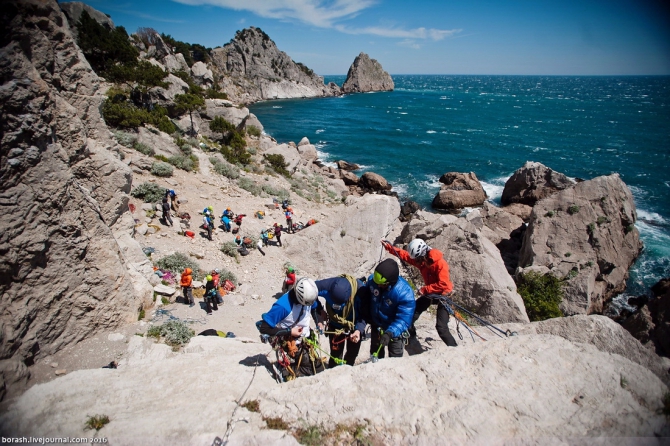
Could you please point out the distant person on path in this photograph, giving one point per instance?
(278, 233)
(435, 272)
(289, 280)
(174, 200)
(166, 212)
(208, 223)
(346, 299)
(186, 283)
(289, 319)
(211, 300)
(391, 308)
(289, 219)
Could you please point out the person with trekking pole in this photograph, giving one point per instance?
(347, 300)
(391, 308)
(435, 272)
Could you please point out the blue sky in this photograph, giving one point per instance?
(548, 37)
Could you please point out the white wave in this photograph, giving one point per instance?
(277, 106)
(667, 183)
(656, 240)
(493, 191)
(426, 142)
(320, 131)
(650, 217)
(443, 97)
(400, 189)
(431, 131)
(403, 113)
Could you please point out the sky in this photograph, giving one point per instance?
(514, 37)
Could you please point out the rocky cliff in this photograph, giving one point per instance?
(366, 75)
(63, 274)
(253, 68)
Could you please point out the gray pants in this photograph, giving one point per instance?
(188, 295)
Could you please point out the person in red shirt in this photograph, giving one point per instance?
(435, 272)
(289, 281)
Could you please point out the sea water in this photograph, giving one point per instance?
(583, 127)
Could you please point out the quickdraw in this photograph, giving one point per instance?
(449, 305)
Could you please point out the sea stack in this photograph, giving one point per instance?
(365, 75)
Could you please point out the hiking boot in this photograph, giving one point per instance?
(209, 314)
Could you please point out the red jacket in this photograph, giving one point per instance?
(435, 276)
(290, 278)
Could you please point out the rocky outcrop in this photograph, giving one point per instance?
(651, 323)
(62, 275)
(459, 190)
(524, 387)
(533, 182)
(367, 75)
(329, 247)
(374, 182)
(587, 235)
(256, 70)
(481, 281)
(73, 11)
(345, 165)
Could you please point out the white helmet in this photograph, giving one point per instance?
(417, 248)
(306, 291)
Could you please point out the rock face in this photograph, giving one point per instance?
(374, 182)
(533, 182)
(62, 274)
(73, 12)
(520, 388)
(257, 70)
(366, 75)
(652, 323)
(459, 190)
(481, 282)
(585, 233)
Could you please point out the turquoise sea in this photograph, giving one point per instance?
(581, 126)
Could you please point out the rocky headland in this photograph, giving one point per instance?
(80, 247)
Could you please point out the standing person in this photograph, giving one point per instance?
(289, 219)
(289, 280)
(208, 224)
(166, 212)
(174, 200)
(211, 300)
(228, 213)
(346, 299)
(186, 283)
(225, 220)
(216, 277)
(290, 318)
(259, 246)
(435, 272)
(391, 308)
(278, 233)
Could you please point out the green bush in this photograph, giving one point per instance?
(281, 194)
(229, 248)
(176, 263)
(149, 192)
(96, 422)
(227, 275)
(541, 295)
(165, 125)
(143, 148)
(183, 162)
(102, 47)
(253, 130)
(143, 74)
(176, 333)
(220, 125)
(225, 169)
(278, 164)
(161, 169)
(213, 94)
(249, 185)
(572, 210)
(124, 138)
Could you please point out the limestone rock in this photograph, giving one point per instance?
(68, 185)
(291, 155)
(506, 231)
(651, 324)
(175, 62)
(349, 178)
(165, 96)
(459, 190)
(73, 11)
(253, 69)
(408, 209)
(345, 165)
(321, 250)
(303, 141)
(165, 290)
(366, 75)
(160, 142)
(586, 234)
(520, 210)
(374, 182)
(533, 182)
(202, 74)
(308, 152)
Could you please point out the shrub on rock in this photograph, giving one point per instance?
(161, 169)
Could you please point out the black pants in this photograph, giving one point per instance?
(396, 346)
(442, 323)
(289, 223)
(338, 343)
(167, 218)
(278, 237)
(211, 302)
(209, 232)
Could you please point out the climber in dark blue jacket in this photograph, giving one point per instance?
(347, 305)
(392, 306)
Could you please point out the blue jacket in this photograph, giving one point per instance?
(392, 309)
(324, 287)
